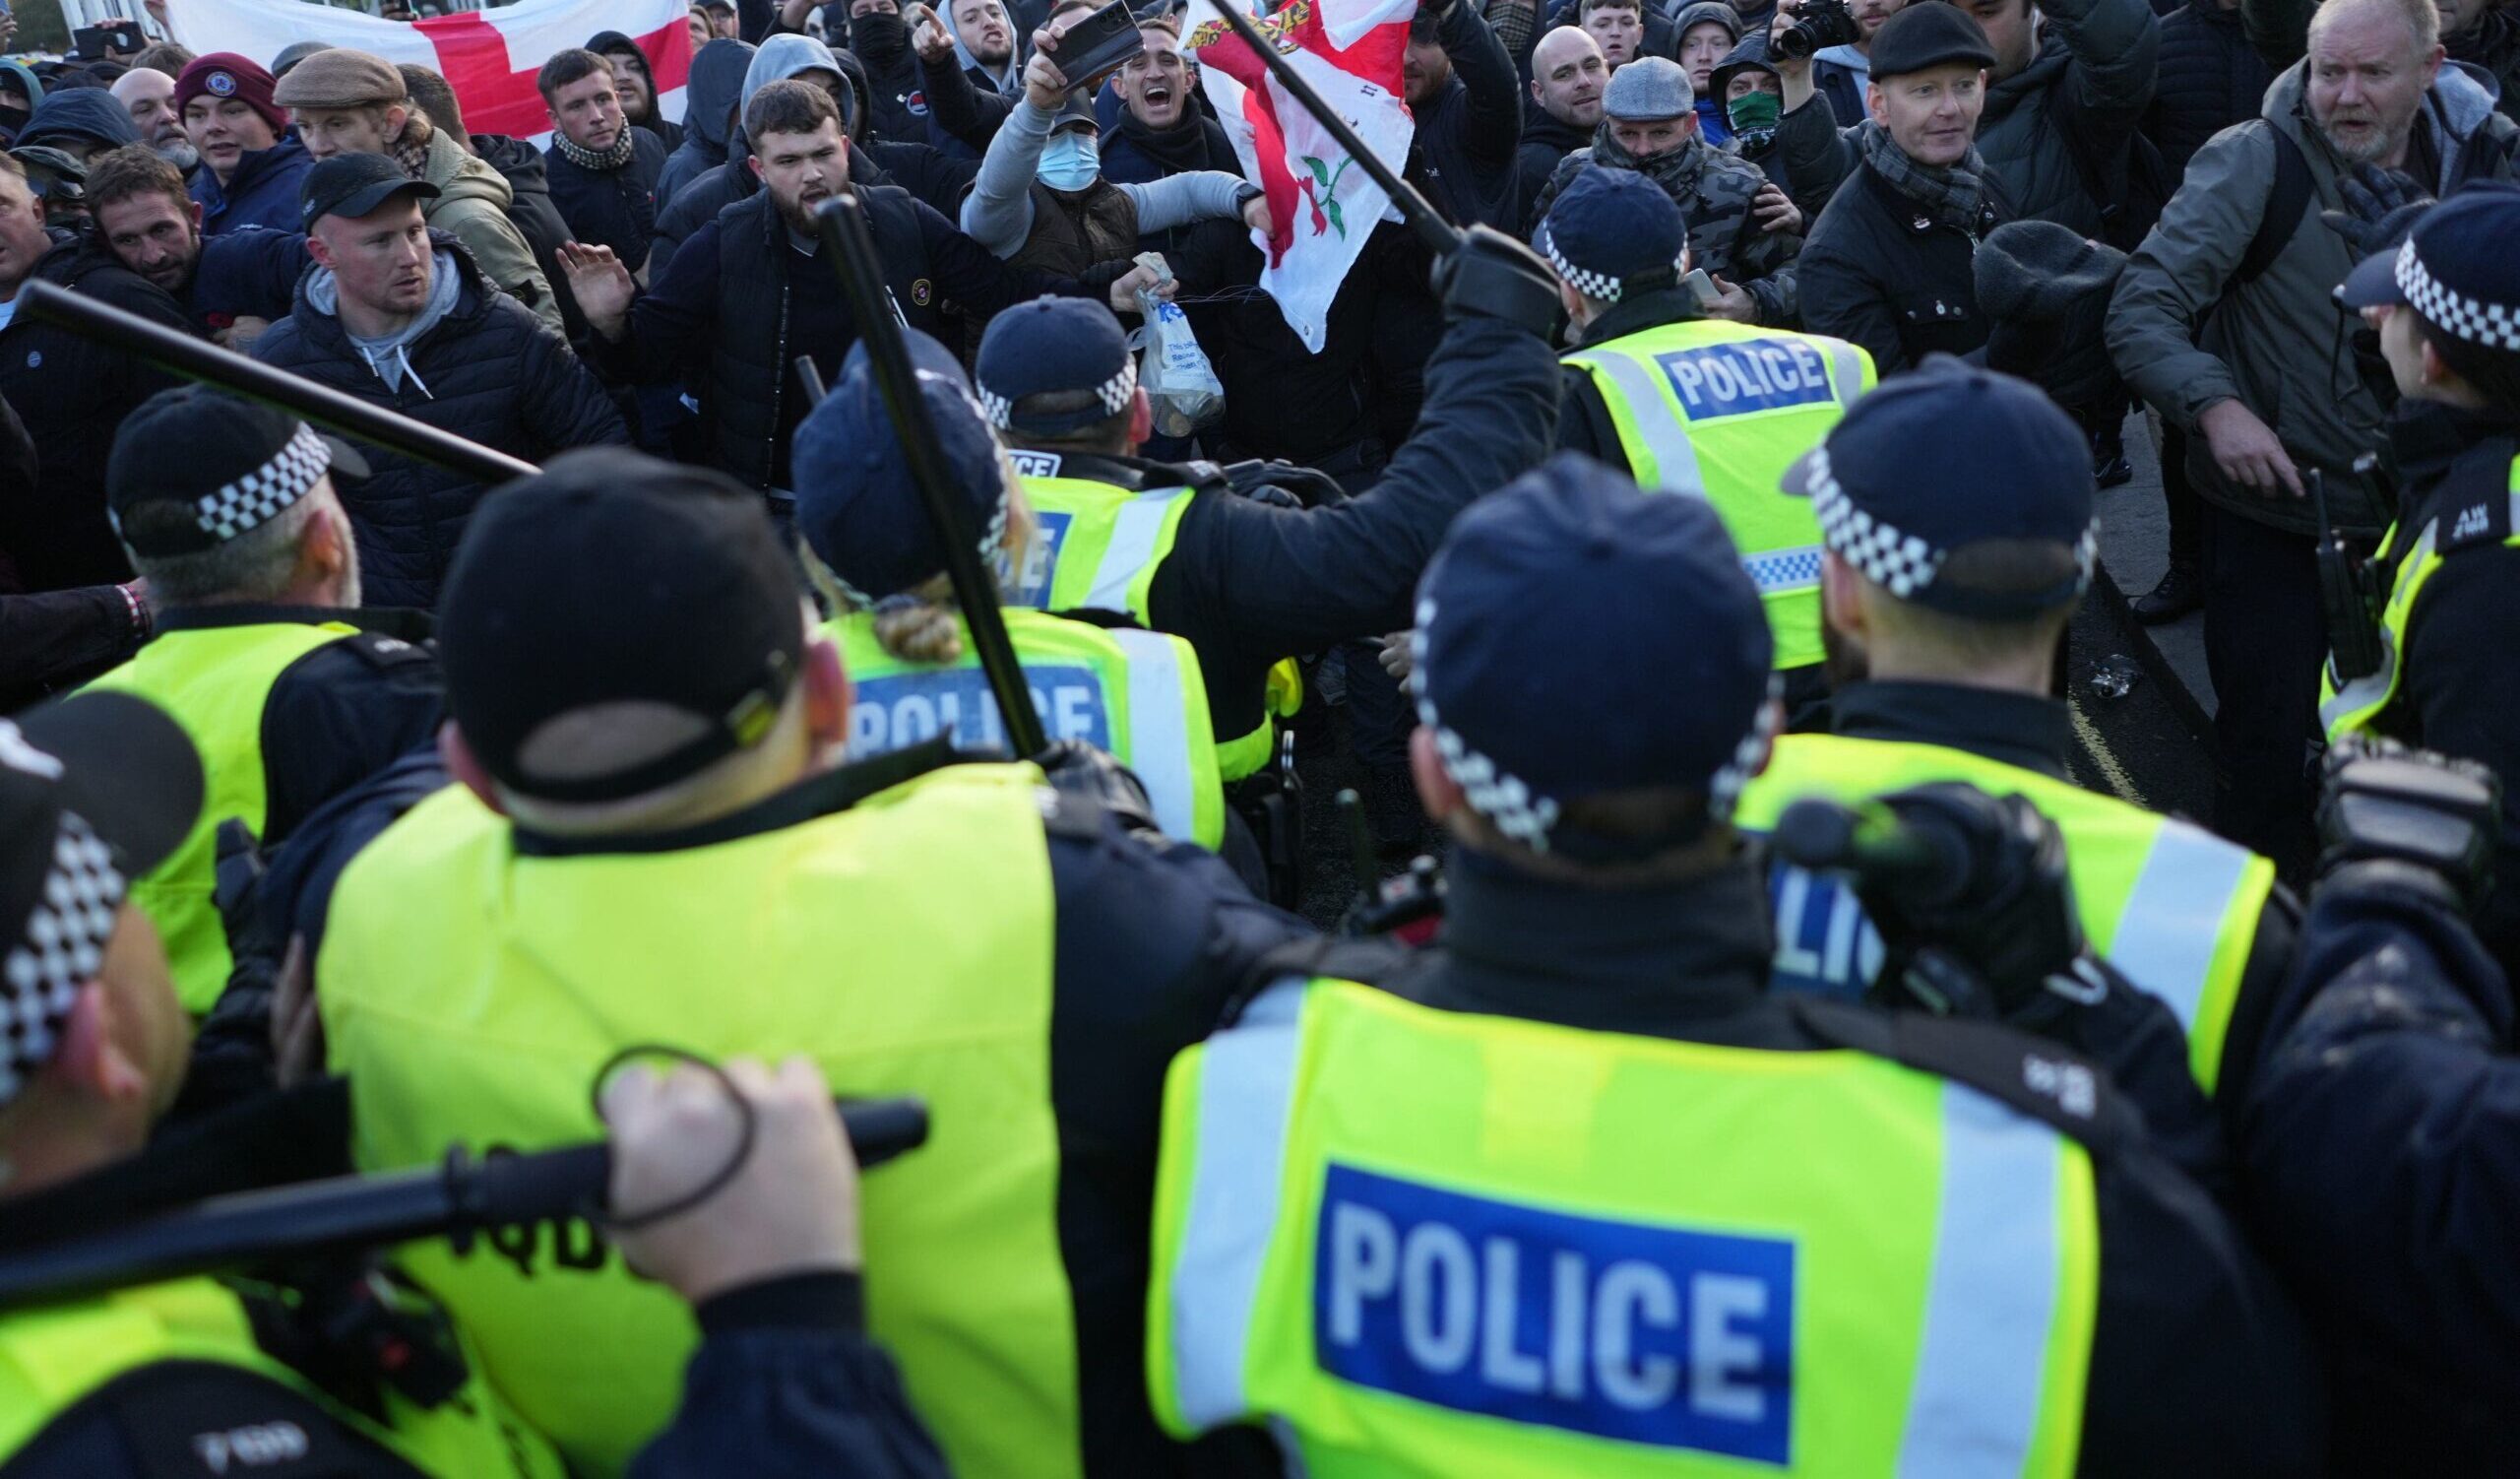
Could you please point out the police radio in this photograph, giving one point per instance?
(2352, 635)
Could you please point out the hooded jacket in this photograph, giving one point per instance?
(25, 78)
(705, 195)
(666, 133)
(2280, 344)
(2094, 75)
(472, 205)
(897, 100)
(78, 120)
(480, 366)
(72, 394)
(262, 192)
(714, 88)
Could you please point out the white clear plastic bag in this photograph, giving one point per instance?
(1173, 371)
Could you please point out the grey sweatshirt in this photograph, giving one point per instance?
(998, 213)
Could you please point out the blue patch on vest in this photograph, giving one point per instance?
(1622, 1330)
(1040, 562)
(1747, 375)
(1825, 942)
(903, 709)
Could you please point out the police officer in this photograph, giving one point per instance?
(290, 691)
(1698, 405)
(1247, 582)
(1956, 507)
(653, 842)
(1576, 1194)
(1135, 693)
(2447, 307)
(176, 1377)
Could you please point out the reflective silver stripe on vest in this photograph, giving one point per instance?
(1846, 373)
(1159, 740)
(2173, 916)
(1246, 1077)
(1133, 537)
(1975, 1410)
(1674, 457)
(2374, 688)
(1782, 571)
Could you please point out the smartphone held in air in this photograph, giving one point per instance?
(1098, 44)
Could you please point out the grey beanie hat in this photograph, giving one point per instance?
(2039, 269)
(1648, 89)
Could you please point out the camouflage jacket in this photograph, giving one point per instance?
(1713, 190)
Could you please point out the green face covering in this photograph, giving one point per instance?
(1754, 111)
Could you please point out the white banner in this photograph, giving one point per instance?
(489, 56)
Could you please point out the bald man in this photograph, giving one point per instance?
(1569, 73)
(151, 97)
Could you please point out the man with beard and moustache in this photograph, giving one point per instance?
(400, 317)
(876, 31)
(1743, 231)
(1162, 128)
(604, 171)
(232, 287)
(151, 97)
(780, 58)
(636, 85)
(1889, 263)
(2261, 372)
(748, 291)
(971, 70)
(251, 164)
(70, 391)
(1466, 97)
(712, 97)
(1567, 78)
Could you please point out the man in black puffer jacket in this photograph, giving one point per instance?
(399, 316)
(2211, 77)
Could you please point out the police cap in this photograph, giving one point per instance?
(193, 468)
(1940, 459)
(611, 579)
(857, 506)
(1049, 346)
(2456, 269)
(1613, 232)
(1576, 637)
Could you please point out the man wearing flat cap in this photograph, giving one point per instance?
(289, 690)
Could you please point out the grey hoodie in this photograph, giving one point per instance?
(2280, 344)
(389, 355)
(716, 87)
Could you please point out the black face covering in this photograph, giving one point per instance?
(879, 36)
(13, 118)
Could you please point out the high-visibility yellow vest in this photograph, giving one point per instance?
(2347, 708)
(51, 1358)
(1418, 1242)
(1138, 694)
(2173, 907)
(212, 680)
(473, 987)
(1098, 547)
(1722, 409)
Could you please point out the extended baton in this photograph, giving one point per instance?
(456, 1200)
(861, 276)
(1439, 235)
(179, 353)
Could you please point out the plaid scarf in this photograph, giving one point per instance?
(587, 158)
(411, 147)
(1951, 196)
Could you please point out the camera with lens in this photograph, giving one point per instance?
(1818, 25)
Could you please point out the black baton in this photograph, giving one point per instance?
(861, 276)
(179, 353)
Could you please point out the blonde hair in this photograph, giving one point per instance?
(922, 624)
(2419, 15)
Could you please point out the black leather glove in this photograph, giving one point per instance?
(1076, 768)
(2381, 207)
(1490, 275)
(2382, 803)
(1994, 900)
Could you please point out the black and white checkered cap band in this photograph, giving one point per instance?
(1600, 287)
(61, 949)
(274, 485)
(1901, 563)
(2496, 326)
(1523, 814)
(1113, 393)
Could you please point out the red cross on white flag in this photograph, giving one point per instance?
(489, 57)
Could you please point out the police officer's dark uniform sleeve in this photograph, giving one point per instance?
(2457, 665)
(1155, 938)
(1270, 582)
(1584, 423)
(2381, 1145)
(170, 1421)
(786, 1382)
(58, 638)
(340, 714)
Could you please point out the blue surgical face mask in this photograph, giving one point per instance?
(1070, 162)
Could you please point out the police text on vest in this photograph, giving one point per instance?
(1747, 375)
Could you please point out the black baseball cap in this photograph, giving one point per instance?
(611, 578)
(94, 791)
(193, 467)
(352, 186)
(1929, 36)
